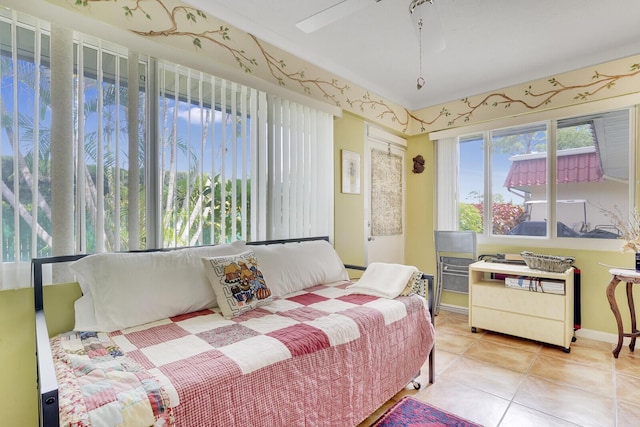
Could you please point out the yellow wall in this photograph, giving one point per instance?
(349, 134)
(17, 359)
(18, 396)
(419, 246)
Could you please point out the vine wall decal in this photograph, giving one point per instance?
(218, 36)
(598, 83)
(384, 110)
(277, 66)
(185, 26)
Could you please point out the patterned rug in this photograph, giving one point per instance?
(410, 412)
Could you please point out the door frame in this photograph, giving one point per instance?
(375, 135)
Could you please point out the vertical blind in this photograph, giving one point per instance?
(205, 160)
(447, 193)
(162, 156)
(300, 148)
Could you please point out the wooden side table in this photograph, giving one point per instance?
(630, 277)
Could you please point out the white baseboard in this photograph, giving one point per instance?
(599, 336)
(580, 333)
(454, 309)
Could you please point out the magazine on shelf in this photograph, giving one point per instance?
(535, 284)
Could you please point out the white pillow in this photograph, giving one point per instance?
(238, 283)
(85, 314)
(292, 267)
(130, 289)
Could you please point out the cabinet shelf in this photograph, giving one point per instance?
(544, 317)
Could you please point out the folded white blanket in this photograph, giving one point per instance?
(383, 280)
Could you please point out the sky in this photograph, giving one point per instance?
(472, 172)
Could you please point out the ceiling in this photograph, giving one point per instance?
(490, 44)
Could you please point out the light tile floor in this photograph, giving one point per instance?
(499, 380)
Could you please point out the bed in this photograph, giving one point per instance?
(310, 351)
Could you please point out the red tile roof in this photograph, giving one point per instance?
(579, 167)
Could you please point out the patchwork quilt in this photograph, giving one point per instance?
(320, 357)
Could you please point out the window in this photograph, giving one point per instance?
(500, 182)
(512, 185)
(207, 160)
(593, 172)
(205, 157)
(104, 158)
(470, 179)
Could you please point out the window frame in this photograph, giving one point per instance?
(550, 117)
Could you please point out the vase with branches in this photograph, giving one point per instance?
(629, 231)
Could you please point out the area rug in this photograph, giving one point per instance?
(410, 412)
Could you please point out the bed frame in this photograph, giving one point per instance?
(48, 405)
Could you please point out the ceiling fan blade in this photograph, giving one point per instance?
(332, 14)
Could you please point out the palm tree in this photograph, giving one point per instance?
(25, 161)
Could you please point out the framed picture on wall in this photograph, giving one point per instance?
(350, 172)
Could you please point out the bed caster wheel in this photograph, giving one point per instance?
(566, 350)
(573, 339)
(416, 385)
(474, 329)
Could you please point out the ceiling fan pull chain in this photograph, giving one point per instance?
(420, 82)
(412, 9)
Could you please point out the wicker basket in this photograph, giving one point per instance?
(552, 263)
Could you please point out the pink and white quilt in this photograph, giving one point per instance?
(319, 357)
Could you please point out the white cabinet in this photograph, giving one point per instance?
(538, 316)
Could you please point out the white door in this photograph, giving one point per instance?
(384, 189)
